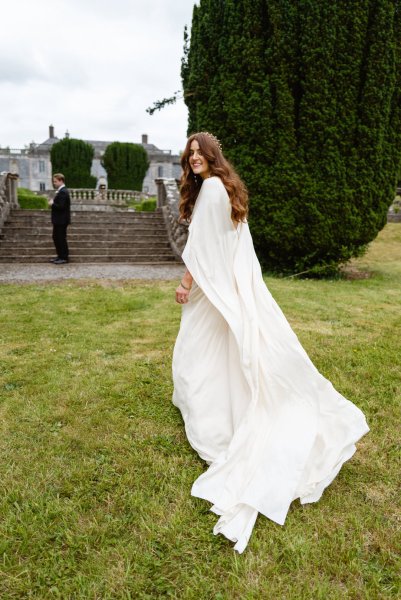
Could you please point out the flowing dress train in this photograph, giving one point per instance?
(255, 408)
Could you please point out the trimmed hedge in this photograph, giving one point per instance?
(73, 158)
(126, 165)
(148, 205)
(29, 200)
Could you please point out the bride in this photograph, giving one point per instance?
(255, 408)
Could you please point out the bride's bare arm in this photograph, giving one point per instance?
(187, 279)
(182, 292)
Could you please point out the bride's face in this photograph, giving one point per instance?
(197, 161)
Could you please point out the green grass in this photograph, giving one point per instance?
(96, 472)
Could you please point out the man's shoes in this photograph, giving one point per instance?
(60, 261)
(52, 260)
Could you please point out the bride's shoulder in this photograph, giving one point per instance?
(213, 196)
(215, 193)
(213, 181)
(214, 186)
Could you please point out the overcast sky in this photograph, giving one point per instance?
(92, 67)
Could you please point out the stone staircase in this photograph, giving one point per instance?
(119, 236)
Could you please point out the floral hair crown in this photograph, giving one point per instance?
(213, 138)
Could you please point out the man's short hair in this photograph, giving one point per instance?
(59, 176)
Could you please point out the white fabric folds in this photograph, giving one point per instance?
(270, 426)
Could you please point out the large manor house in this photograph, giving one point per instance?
(33, 165)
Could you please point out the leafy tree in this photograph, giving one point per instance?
(126, 165)
(74, 158)
(305, 96)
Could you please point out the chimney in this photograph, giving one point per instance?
(144, 138)
(51, 131)
(67, 134)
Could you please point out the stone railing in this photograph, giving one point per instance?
(168, 197)
(102, 200)
(8, 195)
(105, 200)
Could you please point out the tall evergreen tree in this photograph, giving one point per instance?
(305, 96)
(74, 158)
(126, 165)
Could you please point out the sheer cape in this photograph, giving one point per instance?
(270, 426)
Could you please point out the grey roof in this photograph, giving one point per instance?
(101, 145)
(47, 144)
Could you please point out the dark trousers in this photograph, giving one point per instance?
(60, 241)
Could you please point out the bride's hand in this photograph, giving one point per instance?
(181, 295)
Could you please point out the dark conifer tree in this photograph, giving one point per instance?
(305, 96)
(73, 158)
(126, 165)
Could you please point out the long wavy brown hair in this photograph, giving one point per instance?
(219, 166)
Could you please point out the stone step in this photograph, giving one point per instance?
(25, 222)
(31, 238)
(45, 220)
(77, 243)
(92, 237)
(80, 249)
(88, 258)
(85, 230)
(40, 240)
(36, 211)
(90, 216)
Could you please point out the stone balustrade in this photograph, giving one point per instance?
(8, 195)
(168, 197)
(106, 196)
(103, 199)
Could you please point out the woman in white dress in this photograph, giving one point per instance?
(255, 408)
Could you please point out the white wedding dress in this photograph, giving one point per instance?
(271, 427)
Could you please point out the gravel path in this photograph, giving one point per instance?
(32, 273)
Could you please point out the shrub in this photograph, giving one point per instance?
(29, 200)
(148, 205)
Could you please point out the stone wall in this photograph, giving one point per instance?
(168, 197)
(33, 167)
(8, 195)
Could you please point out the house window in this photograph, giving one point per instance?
(160, 171)
(42, 166)
(42, 186)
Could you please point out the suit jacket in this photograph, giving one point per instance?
(61, 213)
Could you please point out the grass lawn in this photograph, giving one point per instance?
(96, 472)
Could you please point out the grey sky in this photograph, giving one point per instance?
(92, 67)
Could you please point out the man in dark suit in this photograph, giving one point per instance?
(61, 216)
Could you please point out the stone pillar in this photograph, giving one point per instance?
(13, 190)
(161, 192)
(168, 198)
(8, 195)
